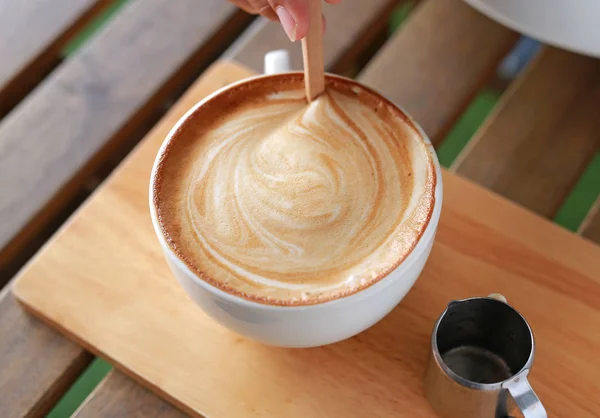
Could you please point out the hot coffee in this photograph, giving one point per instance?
(283, 202)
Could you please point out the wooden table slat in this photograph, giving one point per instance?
(353, 24)
(37, 364)
(118, 396)
(31, 35)
(437, 61)
(542, 134)
(591, 226)
(96, 99)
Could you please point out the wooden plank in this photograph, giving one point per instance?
(31, 36)
(539, 139)
(591, 227)
(484, 244)
(37, 365)
(437, 61)
(352, 26)
(118, 396)
(55, 138)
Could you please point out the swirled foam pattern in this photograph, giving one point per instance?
(287, 203)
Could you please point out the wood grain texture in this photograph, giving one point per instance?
(130, 308)
(352, 25)
(591, 226)
(118, 396)
(437, 61)
(31, 35)
(37, 365)
(68, 125)
(542, 134)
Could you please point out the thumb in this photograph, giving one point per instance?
(294, 17)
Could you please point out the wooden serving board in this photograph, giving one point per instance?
(102, 281)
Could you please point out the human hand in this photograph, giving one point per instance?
(293, 14)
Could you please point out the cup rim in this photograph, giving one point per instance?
(426, 236)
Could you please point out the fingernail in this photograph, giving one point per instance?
(288, 22)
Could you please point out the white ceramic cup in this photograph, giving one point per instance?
(311, 325)
(570, 24)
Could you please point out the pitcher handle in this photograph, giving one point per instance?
(524, 396)
(277, 62)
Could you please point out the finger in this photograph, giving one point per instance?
(257, 7)
(245, 6)
(294, 17)
(268, 12)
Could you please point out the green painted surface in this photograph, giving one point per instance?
(582, 197)
(466, 126)
(91, 28)
(570, 215)
(80, 389)
(399, 15)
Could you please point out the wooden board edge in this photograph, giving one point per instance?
(90, 348)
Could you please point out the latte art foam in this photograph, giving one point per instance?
(286, 202)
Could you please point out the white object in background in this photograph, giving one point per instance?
(277, 62)
(311, 325)
(570, 24)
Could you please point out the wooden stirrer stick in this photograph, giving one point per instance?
(312, 51)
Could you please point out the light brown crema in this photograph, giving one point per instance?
(283, 202)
